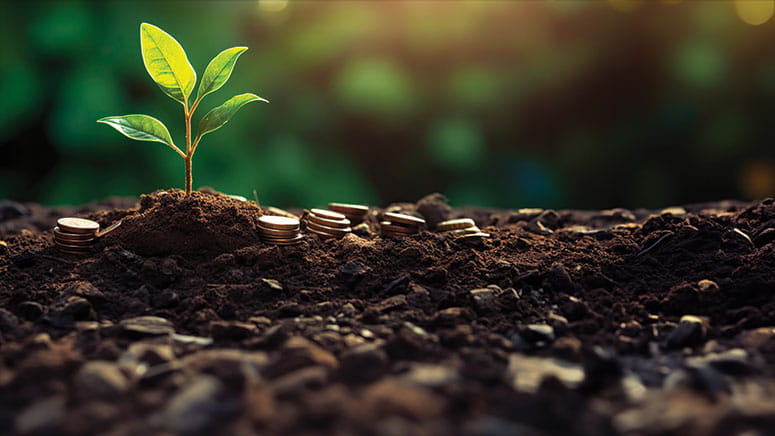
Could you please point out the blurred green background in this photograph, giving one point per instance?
(532, 103)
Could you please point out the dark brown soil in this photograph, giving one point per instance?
(564, 322)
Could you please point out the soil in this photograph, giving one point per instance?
(563, 322)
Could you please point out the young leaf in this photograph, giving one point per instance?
(141, 128)
(166, 62)
(216, 118)
(219, 70)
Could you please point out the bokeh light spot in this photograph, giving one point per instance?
(272, 5)
(456, 144)
(625, 5)
(755, 12)
(757, 179)
(376, 86)
(699, 64)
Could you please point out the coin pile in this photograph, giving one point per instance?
(75, 235)
(462, 228)
(356, 213)
(279, 230)
(326, 223)
(398, 225)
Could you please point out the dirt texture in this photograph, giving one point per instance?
(181, 321)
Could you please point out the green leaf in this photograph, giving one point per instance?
(141, 128)
(219, 70)
(216, 118)
(166, 62)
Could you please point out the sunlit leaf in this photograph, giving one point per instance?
(141, 128)
(216, 118)
(219, 70)
(166, 62)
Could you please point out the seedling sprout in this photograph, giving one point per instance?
(167, 63)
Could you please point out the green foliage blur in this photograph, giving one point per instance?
(494, 103)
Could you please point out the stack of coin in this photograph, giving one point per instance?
(356, 213)
(461, 227)
(75, 235)
(279, 230)
(326, 223)
(398, 225)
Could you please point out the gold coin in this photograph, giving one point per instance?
(77, 225)
(355, 210)
(279, 222)
(72, 251)
(72, 236)
(337, 224)
(322, 234)
(107, 230)
(74, 246)
(327, 214)
(81, 243)
(474, 235)
(390, 227)
(278, 233)
(466, 231)
(400, 218)
(332, 230)
(292, 241)
(460, 223)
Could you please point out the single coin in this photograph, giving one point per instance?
(466, 231)
(107, 230)
(349, 209)
(278, 233)
(474, 235)
(460, 223)
(327, 214)
(322, 234)
(337, 224)
(390, 227)
(59, 240)
(332, 230)
(74, 246)
(292, 241)
(72, 251)
(77, 225)
(279, 222)
(400, 218)
(72, 236)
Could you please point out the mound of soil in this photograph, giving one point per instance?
(564, 322)
(203, 224)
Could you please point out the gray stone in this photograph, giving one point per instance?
(41, 416)
(147, 326)
(196, 407)
(30, 310)
(234, 330)
(533, 336)
(689, 331)
(528, 372)
(430, 375)
(485, 299)
(101, 379)
(8, 321)
(65, 312)
(363, 363)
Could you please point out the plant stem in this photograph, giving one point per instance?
(188, 148)
(188, 174)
